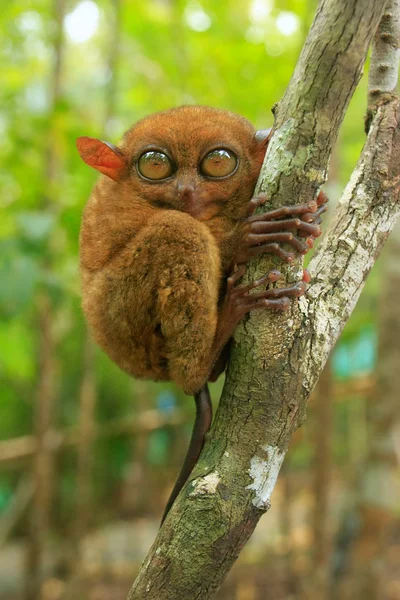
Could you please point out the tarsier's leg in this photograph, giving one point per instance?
(186, 296)
(186, 259)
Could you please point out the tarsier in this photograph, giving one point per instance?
(165, 239)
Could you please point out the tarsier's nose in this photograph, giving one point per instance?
(188, 198)
(186, 192)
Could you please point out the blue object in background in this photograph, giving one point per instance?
(160, 440)
(356, 358)
(166, 401)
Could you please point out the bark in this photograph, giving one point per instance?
(276, 359)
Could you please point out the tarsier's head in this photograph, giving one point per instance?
(196, 159)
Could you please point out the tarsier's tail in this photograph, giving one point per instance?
(201, 425)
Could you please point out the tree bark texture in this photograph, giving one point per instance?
(277, 358)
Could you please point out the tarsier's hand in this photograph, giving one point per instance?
(264, 233)
(241, 299)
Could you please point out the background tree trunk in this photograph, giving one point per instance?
(46, 393)
(323, 461)
(375, 499)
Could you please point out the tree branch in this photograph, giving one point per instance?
(276, 359)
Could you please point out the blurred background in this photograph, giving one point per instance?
(87, 455)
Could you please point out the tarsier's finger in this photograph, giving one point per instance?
(278, 304)
(272, 226)
(255, 203)
(273, 249)
(313, 218)
(269, 238)
(288, 211)
(306, 275)
(235, 276)
(270, 277)
(293, 291)
(322, 198)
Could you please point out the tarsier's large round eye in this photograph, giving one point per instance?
(218, 163)
(155, 165)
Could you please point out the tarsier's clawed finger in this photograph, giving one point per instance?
(293, 291)
(259, 226)
(297, 226)
(255, 203)
(314, 218)
(275, 298)
(307, 212)
(270, 277)
(322, 198)
(238, 273)
(258, 240)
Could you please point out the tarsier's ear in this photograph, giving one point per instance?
(262, 136)
(102, 156)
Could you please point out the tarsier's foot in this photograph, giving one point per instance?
(241, 299)
(264, 233)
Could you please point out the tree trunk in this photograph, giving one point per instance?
(276, 359)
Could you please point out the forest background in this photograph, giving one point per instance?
(87, 455)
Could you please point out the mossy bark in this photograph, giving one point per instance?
(277, 358)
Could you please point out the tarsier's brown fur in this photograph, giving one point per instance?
(156, 255)
(151, 277)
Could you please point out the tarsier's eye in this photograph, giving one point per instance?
(155, 165)
(218, 163)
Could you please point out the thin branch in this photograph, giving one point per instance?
(384, 71)
(22, 448)
(14, 512)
